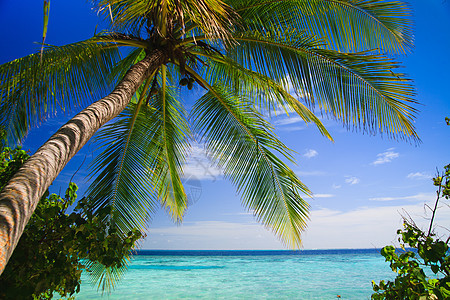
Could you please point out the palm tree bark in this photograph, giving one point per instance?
(20, 196)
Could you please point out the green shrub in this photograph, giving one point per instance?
(57, 246)
(428, 253)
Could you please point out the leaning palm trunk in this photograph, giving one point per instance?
(20, 196)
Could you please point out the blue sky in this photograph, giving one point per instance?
(361, 183)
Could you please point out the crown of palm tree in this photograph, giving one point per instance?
(248, 56)
(214, 18)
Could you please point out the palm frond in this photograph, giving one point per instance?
(359, 89)
(347, 25)
(122, 191)
(171, 133)
(213, 17)
(141, 162)
(265, 93)
(69, 76)
(243, 144)
(120, 39)
(106, 278)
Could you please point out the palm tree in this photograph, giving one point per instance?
(246, 55)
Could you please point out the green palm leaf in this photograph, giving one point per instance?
(69, 76)
(243, 144)
(213, 17)
(171, 135)
(265, 93)
(141, 162)
(359, 89)
(106, 277)
(347, 25)
(122, 192)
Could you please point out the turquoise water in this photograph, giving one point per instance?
(249, 275)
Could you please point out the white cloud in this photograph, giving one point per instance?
(352, 180)
(336, 186)
(386, 157)
(364, 227)
(417, 197)
(199, 166)
(292, 128)
(289, 87)
(310, 153)
(288, 120)
(419, 175)
(323, 195)
(248, 213)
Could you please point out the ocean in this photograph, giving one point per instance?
(306, 274)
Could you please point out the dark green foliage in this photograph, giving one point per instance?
(10, 162)
(429, 255)
(56, 246)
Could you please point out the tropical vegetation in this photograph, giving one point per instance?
(250, 60)
(57, 246)
(423, 267)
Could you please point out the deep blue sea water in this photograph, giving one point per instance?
(306, 274)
